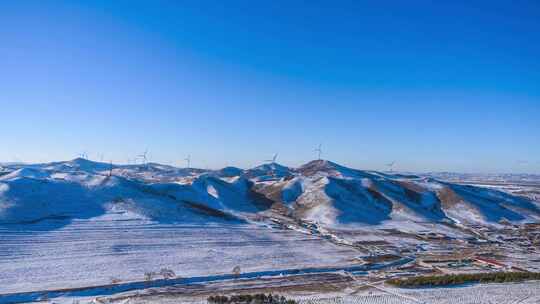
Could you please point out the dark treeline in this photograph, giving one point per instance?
(250, 299)
(456, 279)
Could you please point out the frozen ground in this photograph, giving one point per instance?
(333, 290)
(526, 293)
(98, 251)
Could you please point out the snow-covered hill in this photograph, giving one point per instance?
(333, 195)
(320, 191)
(79, 223)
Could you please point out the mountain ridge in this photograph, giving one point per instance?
(319, 191)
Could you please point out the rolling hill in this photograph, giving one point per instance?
(320, 191)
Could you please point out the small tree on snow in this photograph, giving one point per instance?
(148, 276)
(167, 273)
(236, 271)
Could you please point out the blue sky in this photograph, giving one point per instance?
(435, 86)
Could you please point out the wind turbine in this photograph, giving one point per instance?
(143, 156)
(110, 168)
(319, 151)
(188, 160)
(273, 160)
(391, 165)
(83, 155)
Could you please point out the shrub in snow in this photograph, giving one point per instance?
(167, 273)
(236, 271)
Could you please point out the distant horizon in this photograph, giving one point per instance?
(440, 87)
(179, 166)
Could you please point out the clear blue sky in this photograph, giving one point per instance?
(434, 85)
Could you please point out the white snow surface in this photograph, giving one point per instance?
(526, 293)
(98, 250)
(320, 191)
(77, 223)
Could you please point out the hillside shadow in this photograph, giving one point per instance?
(357, 204)
(420, 203)
(43, 205)
(495, 205)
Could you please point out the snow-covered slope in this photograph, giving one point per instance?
(320, 191)
(268, 172)
(333, 195)
(33, 194)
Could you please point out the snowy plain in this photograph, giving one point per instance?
(509, 293)
(100, 251)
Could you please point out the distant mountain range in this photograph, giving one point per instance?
(319, 192)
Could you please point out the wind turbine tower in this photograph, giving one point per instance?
(188, 160)
(391, 165)
(110, 168)
(319, 152)
(273, 160)
(143, 157)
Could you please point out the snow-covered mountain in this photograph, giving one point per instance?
(268, 172)
(319, 191)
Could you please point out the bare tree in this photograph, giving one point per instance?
(148, 276)
(115, 280)
(167, 273)
(236, 271)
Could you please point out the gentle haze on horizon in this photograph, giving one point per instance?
(446, 86)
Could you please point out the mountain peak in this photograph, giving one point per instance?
(321, 165)
(80, 160)
(333, 169)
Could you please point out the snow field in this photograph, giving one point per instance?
(98, 251)
(525, 293)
